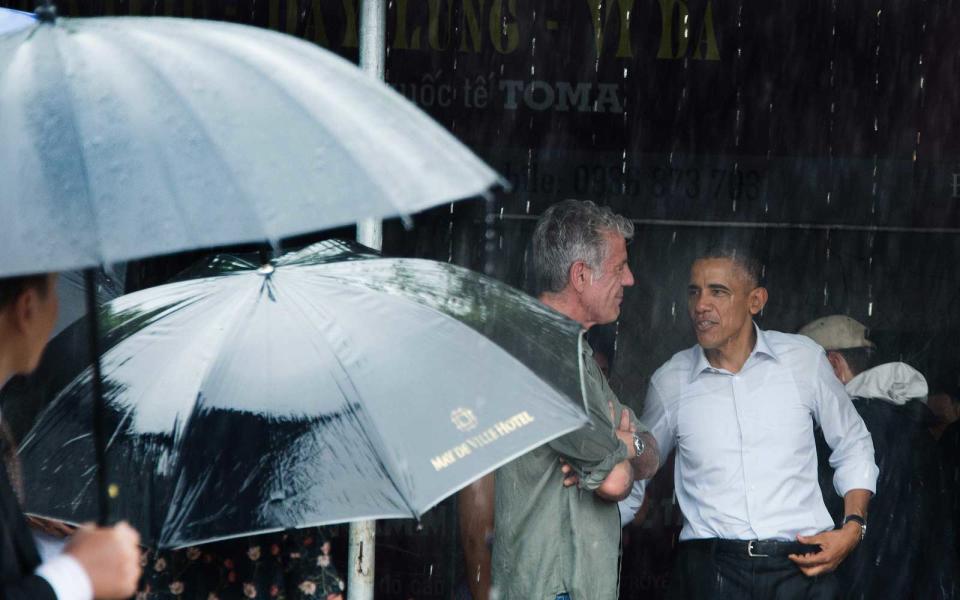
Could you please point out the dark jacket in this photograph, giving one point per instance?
(907, 552)
(950, 450)
(18, 554)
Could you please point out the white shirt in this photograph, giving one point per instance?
(67, 578)
(746, 463)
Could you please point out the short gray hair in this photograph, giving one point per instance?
(569, 231)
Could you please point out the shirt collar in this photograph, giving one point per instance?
(587, 349)
(762, 346)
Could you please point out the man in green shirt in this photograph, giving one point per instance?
(554, 541)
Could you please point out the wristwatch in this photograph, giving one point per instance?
(638, 444)
(858, 520)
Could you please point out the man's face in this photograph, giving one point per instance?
(721, 302)
(39, 324)
(603, 292)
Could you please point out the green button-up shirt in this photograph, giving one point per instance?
(550, 539)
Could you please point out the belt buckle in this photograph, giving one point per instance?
(752, 554)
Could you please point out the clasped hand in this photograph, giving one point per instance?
(644, 466)
(834, 547)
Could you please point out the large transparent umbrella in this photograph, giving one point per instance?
(330, 386)
(122, 138)
(127, 137)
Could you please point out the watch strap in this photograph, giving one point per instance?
(859, 521)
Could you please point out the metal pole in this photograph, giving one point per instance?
(360, 560)
(373, 58)
(373, 37)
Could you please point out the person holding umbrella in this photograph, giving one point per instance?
(553, 541)
(98, 562)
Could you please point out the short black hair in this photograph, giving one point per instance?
(858, 359)
(741, 256)
(11, 287)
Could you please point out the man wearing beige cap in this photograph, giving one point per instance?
(908, 552)
(845, 340)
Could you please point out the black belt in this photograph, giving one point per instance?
(756, 548)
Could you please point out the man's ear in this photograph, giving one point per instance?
(839, 364)
(578, 275)
(23, 310)
(757, 300)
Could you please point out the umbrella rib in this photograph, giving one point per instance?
(386, 97)
(349, 281)
(581, 388)
(387, 468)
(134, 51)
(267, 233)
(72, 124)
(382, 186)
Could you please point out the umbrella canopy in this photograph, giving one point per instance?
(127, 137)
(12, 20)
(71, 295)
(332, 386)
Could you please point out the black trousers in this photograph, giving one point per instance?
(701, 572)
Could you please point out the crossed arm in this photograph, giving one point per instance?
(618, 484)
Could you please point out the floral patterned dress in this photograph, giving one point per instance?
(283, 566)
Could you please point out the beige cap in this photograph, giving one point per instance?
(837, 332)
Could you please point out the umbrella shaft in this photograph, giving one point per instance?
(99, 410)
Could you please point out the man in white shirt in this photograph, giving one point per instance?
(740, 408)
(98, 562)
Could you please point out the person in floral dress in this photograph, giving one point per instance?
(292, 565)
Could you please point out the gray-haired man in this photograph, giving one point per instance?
(553, 541)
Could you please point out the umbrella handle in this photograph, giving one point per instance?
(99, 407)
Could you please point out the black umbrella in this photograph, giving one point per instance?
(326, 387)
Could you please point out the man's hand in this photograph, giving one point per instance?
(570, 476)
(834, 547)
(111, 558)
(624, 429)
(644, 466)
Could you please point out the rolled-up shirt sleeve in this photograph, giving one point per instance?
(845, 432)
(593, 451)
